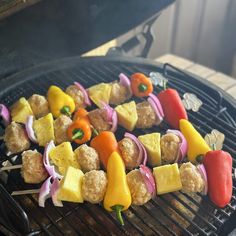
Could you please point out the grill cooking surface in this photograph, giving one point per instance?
(169, 214)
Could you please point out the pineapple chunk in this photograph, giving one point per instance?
(21, 110)
(44, 129)
(70, 186)
(151, 142)
(127, 115)
(100, 92)
(167, 178)
(63, 157)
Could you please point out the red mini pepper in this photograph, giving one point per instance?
(218, 165)
(172, 106)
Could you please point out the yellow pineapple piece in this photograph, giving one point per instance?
(100, 92)
(70, 186)
(127, 115)
(44, 129)
(151, 142)
(167, 178)
(62, 156)
(21, 110)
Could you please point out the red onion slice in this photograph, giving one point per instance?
(87, 101)
(148, 179)
(124, 81)
(158, 104)
(44, 192)
(183, 147)
(5, 114)
(202, 171)
(29, 129)
(154, 107)
(114, 122)
(109, 110)
(54, 191)
(139, 145)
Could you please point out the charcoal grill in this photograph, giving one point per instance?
(170, 214)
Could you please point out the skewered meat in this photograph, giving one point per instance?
(119, 94)
(39, 105)
(88, 158)
(94, 186)
(15, 138)
(61, 125)
(33, 170)
(169, 148)
(77, 95)
(138, 189)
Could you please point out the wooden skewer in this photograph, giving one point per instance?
(23, 192)
(11, 167)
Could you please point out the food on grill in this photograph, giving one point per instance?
(77, 95)
(172, 106)
(197, 146)
(15, 138)
(100, 93)
(151, 142)
(141, 85)
(5, 115)
(218, 165)
(62, 156)
(167, 178)
(138, 189)
(71, 186)
(88, 158)
(191, 178)
(119, 93)
(33, 170)
(61, 124)
(21, 110)
(127, 115)
(117, 197)
(60, 102)
(44, 129)
(39, 105)
(94, 186)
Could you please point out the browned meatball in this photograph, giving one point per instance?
(138, 188)
(33, 170)
(94, 186)
(61, 125)
(88, 158)
(191, 178)
(98, 119)
(129, 153)
(146, 115)
(15, 138)
(169, 147)
(77, 95)
(119, 94)
(39, 105)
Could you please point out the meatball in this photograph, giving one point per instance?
(94, 186)
(138, 188)
(39, 105)
(146, 115)
(119, 94)
(15, 138)
(61, 125)
(77, 95)
(88, 158)
(98, 119)
(169, 148)
(191, 178)
(33, 170)
(129, 153)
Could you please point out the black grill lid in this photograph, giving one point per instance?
(170, 214)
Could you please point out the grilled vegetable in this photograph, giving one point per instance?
(117, 197)
(196, 144)
(218, 165)
(80, 113)
(60, 102)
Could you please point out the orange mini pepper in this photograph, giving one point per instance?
(80, 113)
(141, 85)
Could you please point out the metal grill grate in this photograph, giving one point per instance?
(170, 214)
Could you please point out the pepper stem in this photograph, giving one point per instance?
(95, 132)
(118, 209)
(213, 146)
(199, 158)
(142, 88)
(65, 110)
(77, 134)
(165, 84)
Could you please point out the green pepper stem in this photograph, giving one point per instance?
(65, 110)
(199, 158)
(165, 85)
(77, 134)
(142, 88)
(118, 209)
(95, 132)
(213, 146)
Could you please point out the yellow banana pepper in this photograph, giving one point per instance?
(197, 146)
(117, 197)
(60, 102)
